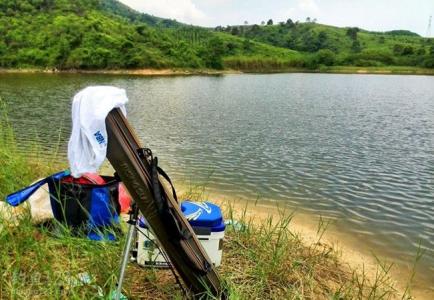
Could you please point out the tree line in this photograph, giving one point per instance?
(341, 46)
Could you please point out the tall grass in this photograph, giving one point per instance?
(16, 169)
(262, 63)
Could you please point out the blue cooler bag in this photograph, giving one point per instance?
(90, 209)
(207, 221)
(86, 208)
(204, 217)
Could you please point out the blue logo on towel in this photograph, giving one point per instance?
(99, 138)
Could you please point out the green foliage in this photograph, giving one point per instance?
(352, 33)
(105, 34)
(401, 33)
(325, 57)
(350, 45)
(66, 34)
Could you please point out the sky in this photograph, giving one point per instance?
(377, 15)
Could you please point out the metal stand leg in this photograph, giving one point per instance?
(127, 248)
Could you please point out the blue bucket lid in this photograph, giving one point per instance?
(203, 214)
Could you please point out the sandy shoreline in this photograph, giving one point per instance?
(138, 72)
(350, 253)
(350, 249)
(210, 72)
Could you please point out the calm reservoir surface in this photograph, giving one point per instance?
(358, 148)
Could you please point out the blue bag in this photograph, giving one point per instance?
(91, 209)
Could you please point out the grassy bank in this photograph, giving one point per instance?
(246, 66)
(263, 259)
(141, 72)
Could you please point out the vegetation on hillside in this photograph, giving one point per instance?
(105, 34)
(66, 34)
(342, 46)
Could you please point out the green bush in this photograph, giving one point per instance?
(325, 57)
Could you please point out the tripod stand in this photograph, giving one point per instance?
(132, 223)
(132, 230)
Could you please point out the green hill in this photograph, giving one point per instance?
(343, 46)
(105, 34)
(102, 34)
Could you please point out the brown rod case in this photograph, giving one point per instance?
(138, 171)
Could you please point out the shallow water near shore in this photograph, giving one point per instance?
(356, 148)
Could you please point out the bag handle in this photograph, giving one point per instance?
(22, 195)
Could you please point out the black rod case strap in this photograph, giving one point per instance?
(142, 177)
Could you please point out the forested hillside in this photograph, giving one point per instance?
(342, 46)
(90, 34)
(105, 34)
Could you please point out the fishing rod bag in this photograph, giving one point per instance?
(138, 169)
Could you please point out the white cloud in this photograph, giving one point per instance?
(308, 6)
(301, 10)
(181, 10)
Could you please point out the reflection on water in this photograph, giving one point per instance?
(356, 148)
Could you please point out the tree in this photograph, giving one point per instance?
(255, 28)
(235, 30)
(421, 51)
(289, 23)
(325, 57)
(308, 20)
(262, 23)
(215, 52)
(352, 33)
(231, 48)
(247, 45)
(322, 40)
(356, 47)
(270, 22)
(408, 50)
(309, 42)
(398, 49)
(429, 61)
(246, 23)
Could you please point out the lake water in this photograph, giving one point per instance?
(358, 148)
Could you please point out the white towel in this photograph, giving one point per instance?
(87, 145)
